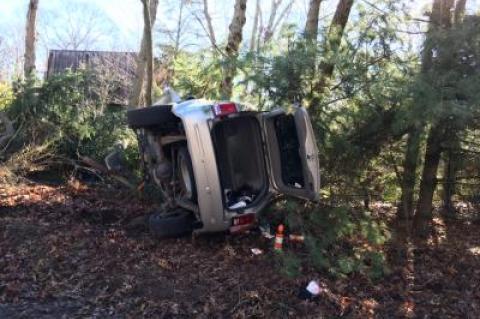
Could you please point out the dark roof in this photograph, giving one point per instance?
(112, 64)
(61, 60)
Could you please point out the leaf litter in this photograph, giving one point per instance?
(65, 251)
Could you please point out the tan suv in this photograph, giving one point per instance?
(217, 164)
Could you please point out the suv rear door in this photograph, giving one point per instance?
(292, 153)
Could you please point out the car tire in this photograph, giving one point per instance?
(185, 173)
(174, 224)
(153, 116)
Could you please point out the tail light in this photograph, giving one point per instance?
(244, 220)
(242, 223)
(224, 109)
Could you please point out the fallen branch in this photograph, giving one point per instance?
(9, 130)
(101, 168)
(10, 140)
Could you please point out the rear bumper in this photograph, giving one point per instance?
(227, 217)
(241, 228)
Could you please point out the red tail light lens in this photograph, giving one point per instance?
(223, 109)
(242, 223)
(244, 220)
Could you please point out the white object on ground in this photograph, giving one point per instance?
(266, 231)
(256, 251)
(267, 235)
(313, 288)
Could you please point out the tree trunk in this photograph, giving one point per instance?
(253, 37)
(208, 18)
(311, 34)
(412, 150)
(332, 43)
(449, 184)
(428, 183)
(311, 27)
(441, 18)
(451, 157)
(409, 178)
(459, 11)
(451, 165)
(146, 50)
(30, 40)
(231, 51)
(335, 33)
(442, 13)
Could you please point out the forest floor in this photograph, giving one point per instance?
(65, 252)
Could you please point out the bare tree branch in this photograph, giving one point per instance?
(282, 16)
(260, 28)
(75, 33)
(271, 19)
(255, 26)
(208, 19)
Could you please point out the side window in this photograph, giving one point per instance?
(289, 148)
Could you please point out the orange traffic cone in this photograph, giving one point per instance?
(279, 238)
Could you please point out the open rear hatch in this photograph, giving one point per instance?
(241, 161)
(292, 153)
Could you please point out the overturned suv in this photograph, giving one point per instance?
(217, 164)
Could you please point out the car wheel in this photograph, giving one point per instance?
(174, 224)
(185, 173)
(153, 116)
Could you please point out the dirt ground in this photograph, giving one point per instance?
(65, 253)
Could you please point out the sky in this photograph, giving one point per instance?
(119, 23)
(125, 13)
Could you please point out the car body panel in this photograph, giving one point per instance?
(308, 154)
(197, 118)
